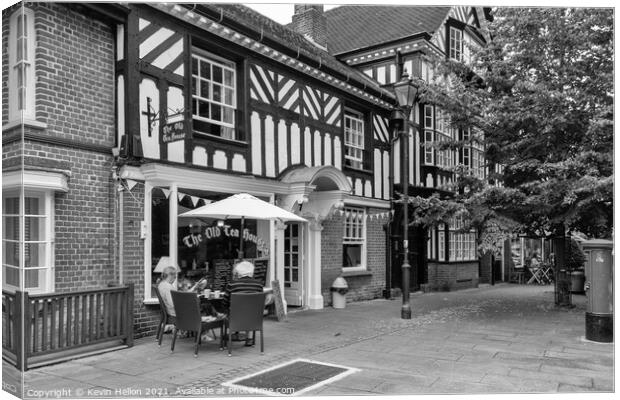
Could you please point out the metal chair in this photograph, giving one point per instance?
(188, 318)
(165, 318)
(245, 314)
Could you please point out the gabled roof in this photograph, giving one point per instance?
(352, 28)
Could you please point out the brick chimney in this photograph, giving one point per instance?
(310, 21)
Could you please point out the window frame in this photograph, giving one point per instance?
(27, 65)
(48, 241)
(357, 163)
(461, 245)
(353, 240)
(225, 64)
(455, 53)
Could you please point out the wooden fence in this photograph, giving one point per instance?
(44, 328)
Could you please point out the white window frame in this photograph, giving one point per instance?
(462, 245)
(357, 238)
(354, 138)
(47, 241)
(456, 44)
(441, 244)
(26, 64)
(225, 65)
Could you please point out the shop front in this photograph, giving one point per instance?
(208, 247)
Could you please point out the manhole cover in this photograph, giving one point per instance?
(292, 378)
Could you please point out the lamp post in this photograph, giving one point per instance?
(406, 91)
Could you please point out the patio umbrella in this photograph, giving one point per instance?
(241, 206)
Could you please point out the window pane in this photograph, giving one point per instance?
(204, 89)
(10, 253)
(217, 74)
(295, 277)
(34, 229)
(228, 78)
(203, 109)
(34, 206)
(11, 276)
(34, 255)
(217, 93)
(229, 96)
(205, 69)
(216, 112)
(11, 205)
(352, 255)
(10, 228)
(228, 115)
(35, 279)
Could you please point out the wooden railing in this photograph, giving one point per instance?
(58, 325)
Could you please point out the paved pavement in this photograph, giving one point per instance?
(495, 339)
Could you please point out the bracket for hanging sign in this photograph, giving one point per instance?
(172, 131)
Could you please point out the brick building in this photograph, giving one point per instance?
(117, 118)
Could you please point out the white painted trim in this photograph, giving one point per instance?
(366, 202)
(36, 180)
(165, 175)
(25, 122)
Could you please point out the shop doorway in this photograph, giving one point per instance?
(293, 262)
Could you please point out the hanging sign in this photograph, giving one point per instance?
(173, 132)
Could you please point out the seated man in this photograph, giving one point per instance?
(242, 282)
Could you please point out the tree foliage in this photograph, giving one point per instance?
(541, 100)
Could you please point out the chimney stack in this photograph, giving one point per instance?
(310, 21)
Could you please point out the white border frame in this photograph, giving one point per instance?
(249, 390)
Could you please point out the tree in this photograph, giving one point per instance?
(540, 94)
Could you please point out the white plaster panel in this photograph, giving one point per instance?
(295, 144)
(176, 101)
(256, 144)
(378, 173)
(307, 147)
(270, 162)
(359, 191)
(367, 188)
(318, 160)
(199, 156)
(219, 159)
(429, 180)
(327, 145)
(283, 149)
(337, 152)
(150, 145)
(238, 163)
(386, 175)
(120, 111)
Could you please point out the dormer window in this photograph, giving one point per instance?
(456, 44)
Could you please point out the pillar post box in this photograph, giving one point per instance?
(599, 289)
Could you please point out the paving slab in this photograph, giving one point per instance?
(497, 339)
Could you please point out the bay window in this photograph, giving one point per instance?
(27, 245)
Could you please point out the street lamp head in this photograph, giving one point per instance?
(407, 90)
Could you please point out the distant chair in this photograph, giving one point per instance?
(165, 318)
(245, 314)
(188, 318)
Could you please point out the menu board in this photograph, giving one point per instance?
(261, 266)
(222, 273)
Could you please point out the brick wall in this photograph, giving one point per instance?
(74, 69)
(362, 286)
(454, 276)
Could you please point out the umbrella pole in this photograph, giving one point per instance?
(241, 239)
